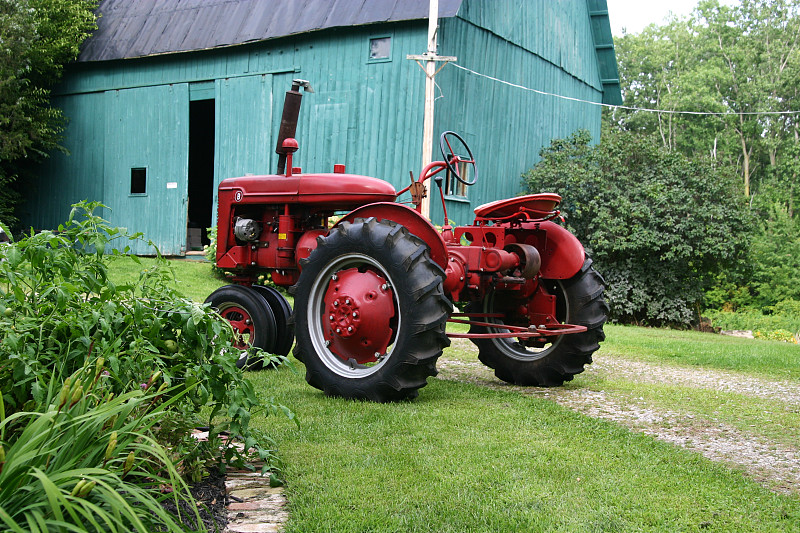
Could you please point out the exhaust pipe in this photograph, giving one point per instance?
(291, 112)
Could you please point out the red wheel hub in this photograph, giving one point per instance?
(242, 326)
(359, 319)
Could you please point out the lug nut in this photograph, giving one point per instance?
(338, 330)
(334, 277)
(385, 286)
(355, 315)
(349, 329)
(331, 318)
(347, 302)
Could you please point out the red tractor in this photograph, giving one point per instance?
(374, 291)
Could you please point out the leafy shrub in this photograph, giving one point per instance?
(659, 226)
(778, 322)
(58, 309)
(776, 335)
(85, 460)
(775, 255)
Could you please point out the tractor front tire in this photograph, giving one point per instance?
(370, 312)
(579, 302)
(252, 320)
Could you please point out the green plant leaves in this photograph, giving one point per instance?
(91, 372)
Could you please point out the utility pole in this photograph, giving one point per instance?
(430, 58)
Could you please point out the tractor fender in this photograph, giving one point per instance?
(408, 218)
(562, 253)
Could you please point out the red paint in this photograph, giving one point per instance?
(359, 315)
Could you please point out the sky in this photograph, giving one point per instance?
(634, 15)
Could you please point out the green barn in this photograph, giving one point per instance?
(168, 98)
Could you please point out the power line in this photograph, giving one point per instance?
(629, 108)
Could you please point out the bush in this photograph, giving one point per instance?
(777, 322)
(776, 335)
(59, 312)
(775, 256)
(86, 459)
(659, 226)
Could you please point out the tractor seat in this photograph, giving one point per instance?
(530, 207)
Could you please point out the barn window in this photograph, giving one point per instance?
(454, 187)
(380, 49)
(139, 180)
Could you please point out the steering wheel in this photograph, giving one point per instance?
(452, 159)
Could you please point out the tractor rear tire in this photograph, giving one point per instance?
(252, 320)
(580, 302)
(386, 345)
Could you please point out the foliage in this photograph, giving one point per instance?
(85, 460)
(740, 60)
(775, 256)
(211, 256)
(211, 248)
(37, 37)
(59, 309)
(782, 317)
(661, 68)
(659, 226)
(776, 335)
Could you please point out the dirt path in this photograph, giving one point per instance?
(775, 465)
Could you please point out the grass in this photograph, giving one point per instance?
(194, 278)
(691, 348)
(468, 458)
(767, 419)
(465, 458)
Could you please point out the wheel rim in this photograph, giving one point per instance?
(241, 322)
(511, 347)
(353, 315)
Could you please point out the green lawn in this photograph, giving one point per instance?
(766, 358)
(194, 278)
(469, 458)
(466, 458)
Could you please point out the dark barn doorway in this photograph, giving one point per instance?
(201, 173)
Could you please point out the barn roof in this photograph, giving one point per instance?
(139, 28)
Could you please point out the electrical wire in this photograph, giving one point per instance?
(629, 108)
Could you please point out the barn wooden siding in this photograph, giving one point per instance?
(541, 45)
(134, 113)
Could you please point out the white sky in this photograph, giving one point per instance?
(634, 15)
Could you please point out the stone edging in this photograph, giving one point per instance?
(254, 506)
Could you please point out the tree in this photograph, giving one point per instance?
(758, 44)
(37, 38)
(659, 226)
(775, 254)
(662, 68)
(742, 60)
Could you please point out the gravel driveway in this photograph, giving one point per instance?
(775, 465)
